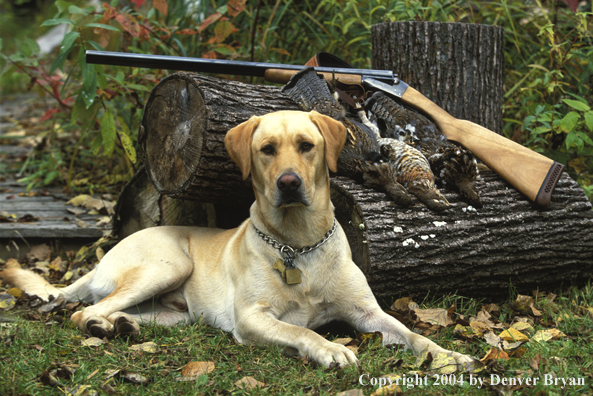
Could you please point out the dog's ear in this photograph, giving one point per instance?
(334, 134)
(238, 144)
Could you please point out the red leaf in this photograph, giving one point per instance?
(160, 5)
(138, 3)
(49, 113)
(209, 21)
(129, 24)
(209, 55)
(573, 4)
(109, 13)
(187, 32)
(235, 7)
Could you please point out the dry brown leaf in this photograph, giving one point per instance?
(148, 347)
(513, 335)
(404, 304)
(436, 316)
(479, 327)
(193, 370)
(351, 392)
(495, 354)
(354, 349)
(248, 383)
(342, 341)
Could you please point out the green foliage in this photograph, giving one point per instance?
(547, 100)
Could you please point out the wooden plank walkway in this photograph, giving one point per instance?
(45, 214)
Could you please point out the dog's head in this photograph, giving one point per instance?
(287, 153)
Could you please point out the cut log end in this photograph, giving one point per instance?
(173, 124)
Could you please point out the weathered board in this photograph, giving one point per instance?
(50, 209)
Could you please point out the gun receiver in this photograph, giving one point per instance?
(529, 172)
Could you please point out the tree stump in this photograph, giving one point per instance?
(407, 251)
(458, 66)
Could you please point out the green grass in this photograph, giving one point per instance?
(34, 344)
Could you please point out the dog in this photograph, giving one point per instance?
(284, 271)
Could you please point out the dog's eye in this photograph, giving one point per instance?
(306, 146)
(268, 149)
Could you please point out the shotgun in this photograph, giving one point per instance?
(531, 173)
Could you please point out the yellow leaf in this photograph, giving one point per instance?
(7, 301)
(443, 363)
(513, 335)
(522, 326)
(148, 347)
(92, 341)
(193, 370)
(547, 335)
(15, 291)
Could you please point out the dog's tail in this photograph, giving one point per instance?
(35, 285)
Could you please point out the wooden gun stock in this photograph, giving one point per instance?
(529, 172)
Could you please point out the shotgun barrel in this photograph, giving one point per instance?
(221, 66)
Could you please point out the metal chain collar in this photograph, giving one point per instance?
(288, 253)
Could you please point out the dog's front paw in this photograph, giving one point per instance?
(330, 353)
(99, 327)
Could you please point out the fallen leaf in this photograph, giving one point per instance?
(443, 363)
(193, 370)
(81, 390)
(53, 305)
(351, 392)
(15, 291)
(388, 390)
(547, 335)
(436, 316)
(521, 326)
(92, 342)
(513, 335)
(354, 349)
(495, 354)
(148, 347)
(342, 341)
(135, 378)
(248, 383)
(7, 301)
(404, 304)
(479, 327)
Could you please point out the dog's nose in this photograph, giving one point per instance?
(289, 182)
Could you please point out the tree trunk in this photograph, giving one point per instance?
(458, 66)
(182, 134)
(473, 252)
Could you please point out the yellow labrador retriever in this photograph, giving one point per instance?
(285, 270)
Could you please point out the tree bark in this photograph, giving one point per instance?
(182, 134)
(458, 66)
(475, 253)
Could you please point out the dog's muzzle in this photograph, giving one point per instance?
(290, 190)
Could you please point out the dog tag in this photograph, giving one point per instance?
(279, 265)
(293, 276)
